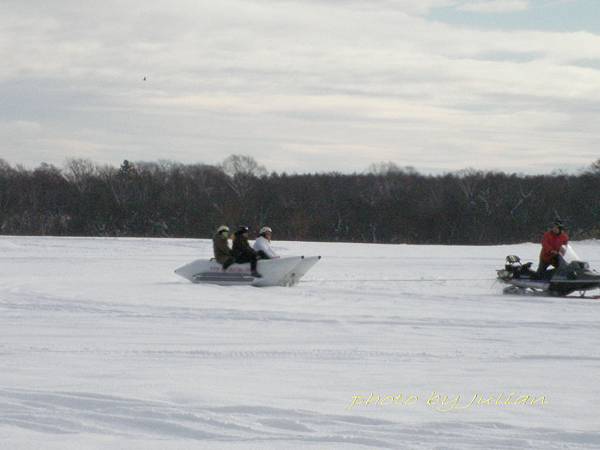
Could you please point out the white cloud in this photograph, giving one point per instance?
(495, 6)
(409, 7)
(279, 80)
(23, 127)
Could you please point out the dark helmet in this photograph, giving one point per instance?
(558, 224)
(242, 230)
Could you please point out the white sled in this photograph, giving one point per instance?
(300, 270)
(275, 272)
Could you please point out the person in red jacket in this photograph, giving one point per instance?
(552, 241)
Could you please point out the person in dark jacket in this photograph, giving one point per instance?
(223, 253)
(242, 252)
(552, 242)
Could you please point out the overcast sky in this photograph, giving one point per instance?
(303, 85)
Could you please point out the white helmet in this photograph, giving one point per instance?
(223, 228)
(264, 230)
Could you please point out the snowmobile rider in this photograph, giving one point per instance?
(242, 252)
(262, 245)
(552, 241)
(223, 253)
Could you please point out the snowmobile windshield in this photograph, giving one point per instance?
(569, 254)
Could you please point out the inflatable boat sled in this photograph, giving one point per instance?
(275, 272)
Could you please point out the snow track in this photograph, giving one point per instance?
(67, 413)
(102, 346)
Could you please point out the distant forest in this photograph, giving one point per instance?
(385, 204)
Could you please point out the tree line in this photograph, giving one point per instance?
(385, 204)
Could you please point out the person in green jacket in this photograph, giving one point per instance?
(221, 249)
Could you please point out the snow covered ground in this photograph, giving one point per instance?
(102, 346)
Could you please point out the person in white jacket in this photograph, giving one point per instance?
(262, 245)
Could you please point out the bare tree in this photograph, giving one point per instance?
(79, 172)
(388, 167)
(242, 165)
(393, 204)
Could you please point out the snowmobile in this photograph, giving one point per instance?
(275, 272)
(572, 275)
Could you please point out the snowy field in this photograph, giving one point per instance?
(102, 346)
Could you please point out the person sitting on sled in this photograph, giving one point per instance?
(552, 242)
(221, 249)
(242, 252)
(262, 245)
